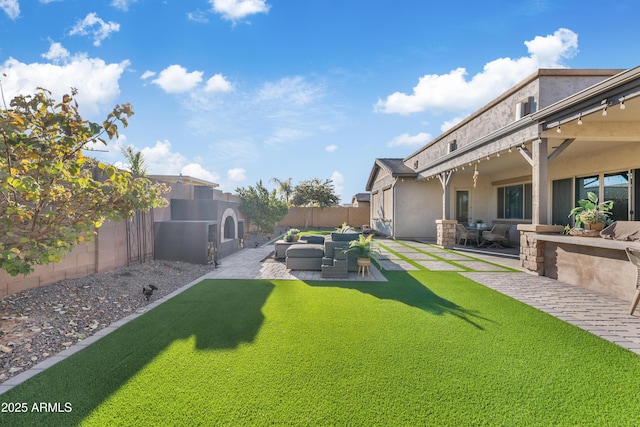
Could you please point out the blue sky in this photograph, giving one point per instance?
(234, 91)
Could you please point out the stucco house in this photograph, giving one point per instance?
(523, 159)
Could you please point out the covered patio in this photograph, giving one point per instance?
(574, 131)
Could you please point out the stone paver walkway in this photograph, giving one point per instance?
(604, 316)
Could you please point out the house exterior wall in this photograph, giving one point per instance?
(544, 90)
(417, 206)
(378, 221)
(556, 88)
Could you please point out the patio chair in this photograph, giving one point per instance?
(634, 257)
(496, 237)
(465, 234)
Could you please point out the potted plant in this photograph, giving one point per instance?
(591, 214)
(364, 249)
(292, 235)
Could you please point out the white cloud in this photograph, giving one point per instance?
(96, 81)
(198, 16)
(331, 148)
(290, 90)
(122, 4)
(56, 53)
(161, 160)
(91, 25)
(448, 124)
(218, 83)
(176, 79)
(11, 8)
(454, 92)
(338, 182)
(409, 140)
(236, 174)
(147, 75)
(196, 170)
(235, 10)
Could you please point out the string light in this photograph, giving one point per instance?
(559, 130)
(475, 175)
(510, 149)
(604, 111)
(622, 106)
(498, 154)
(580, 119)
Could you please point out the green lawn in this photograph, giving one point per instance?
(425, 348)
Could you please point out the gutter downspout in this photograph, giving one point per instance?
(393, 218)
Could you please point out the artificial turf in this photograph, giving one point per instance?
(424, 348)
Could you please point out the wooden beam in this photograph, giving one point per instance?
(526, 154)
(565, 144)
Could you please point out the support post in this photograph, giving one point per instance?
(445, 179)
(540, 187)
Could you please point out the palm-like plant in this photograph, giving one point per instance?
(285, 188)
(363, 247)
(135, 161)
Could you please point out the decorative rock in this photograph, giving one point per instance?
(44, 321)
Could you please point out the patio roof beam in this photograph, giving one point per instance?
(526, 154)
(565, 144)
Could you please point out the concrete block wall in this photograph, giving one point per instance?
(330, 217)
(80, 262)
(107, 251)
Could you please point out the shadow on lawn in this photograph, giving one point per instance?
(220, 315)
(404, 288)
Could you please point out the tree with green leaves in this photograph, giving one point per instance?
(285, 188)
(135, 161)
(51, 195)
(314, 192)
(261, 207)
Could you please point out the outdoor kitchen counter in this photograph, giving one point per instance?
(591, 262)
(596, 242)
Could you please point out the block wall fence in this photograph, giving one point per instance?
(329, 217)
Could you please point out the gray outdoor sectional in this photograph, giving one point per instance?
(323, 253)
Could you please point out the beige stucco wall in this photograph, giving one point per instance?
(330, 217)
(418, 205)
(107, 251)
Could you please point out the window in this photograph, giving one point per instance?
(616, 189)
(453, 146)
(387, 200)
(614, 186)
(375, 205)
(514, 201)
(561, 202)
(585, 185)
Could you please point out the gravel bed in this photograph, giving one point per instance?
(38, 323)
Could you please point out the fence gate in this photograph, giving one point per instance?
(140, 238)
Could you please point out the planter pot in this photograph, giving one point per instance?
(295, 238)
(364, 261)
(595, 227)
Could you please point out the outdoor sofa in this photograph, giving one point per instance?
(324, 253)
